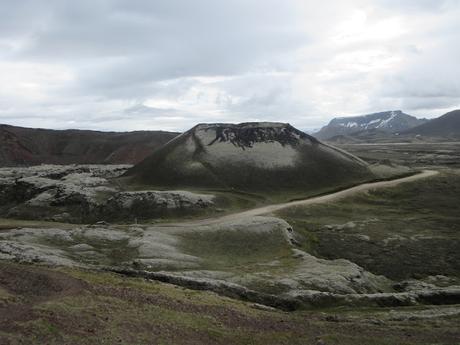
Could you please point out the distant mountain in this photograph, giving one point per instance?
(446, 126)
(388, 121)
(30, 146)
(259, 157)
(372, 135)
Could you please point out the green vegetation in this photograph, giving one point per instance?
(235, 250)
(85, 307)
(408, 231)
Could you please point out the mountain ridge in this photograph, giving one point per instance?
(393, 121)
(447, 126)
(21, 146)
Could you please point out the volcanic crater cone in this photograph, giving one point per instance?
(256, 156)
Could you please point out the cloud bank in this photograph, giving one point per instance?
(140, 64)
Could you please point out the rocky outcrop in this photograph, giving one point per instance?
(64, 193)
(150, 204)
(218, 286)
(260, 244)
(83, 194)
(316, 299)
(248, 258)
(302, 299)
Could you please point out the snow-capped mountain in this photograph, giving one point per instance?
(394, 121)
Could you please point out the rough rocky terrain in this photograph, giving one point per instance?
(243, 255)
(78, 307)
(375, 263)
(202, 252)
(87, 193)
(268, 269)
(407, 233)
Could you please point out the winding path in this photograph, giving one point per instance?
(310, 201)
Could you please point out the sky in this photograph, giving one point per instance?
(170, 64)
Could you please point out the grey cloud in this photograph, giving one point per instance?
(119, 28)
(119, 48)
(429, 103)
(121, 55)
(420, 5)
(431, 81)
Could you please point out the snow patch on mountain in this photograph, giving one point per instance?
(388, 121)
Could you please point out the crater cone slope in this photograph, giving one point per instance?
(253, 157)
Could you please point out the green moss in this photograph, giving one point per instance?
(177, 293)
(111, 309)
(236, 249)
(401, 232)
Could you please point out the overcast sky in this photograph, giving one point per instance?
(169, 64)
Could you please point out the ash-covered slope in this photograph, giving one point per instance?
(264, 156)
(388, 121)
(446, 126)
(31, 146)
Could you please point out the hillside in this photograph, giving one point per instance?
(386, 122)
(263, 157)
(29, 146)
(446, 126)
(41, 305)
(367, 135)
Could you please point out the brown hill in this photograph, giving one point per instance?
(30, 146)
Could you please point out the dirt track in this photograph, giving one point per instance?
(310, 201)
